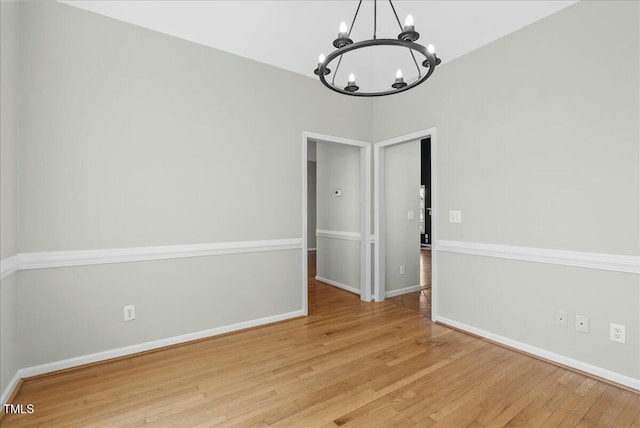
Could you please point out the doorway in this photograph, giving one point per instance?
(427, 256)
(363, 215)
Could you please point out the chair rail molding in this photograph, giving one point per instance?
(52, 259)
(602, 261)
(336, 234)
(9, 265)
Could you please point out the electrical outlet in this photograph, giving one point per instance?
(562, 319)
(402, 270)
(410, 215)
(617, 333)
(455, 216)
(582, 323)
(130, 313)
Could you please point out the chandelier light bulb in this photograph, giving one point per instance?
(351, 84)
(343, 37)
(409, 33)
(431, 49)
(321, 60)
(408, 21)
(399, 83)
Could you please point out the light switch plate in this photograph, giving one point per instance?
(455, 216)
(410, 215)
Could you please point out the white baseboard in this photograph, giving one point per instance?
(547, 355)
(339, 285)
(134, 349)
(400, 291)
(10, 388)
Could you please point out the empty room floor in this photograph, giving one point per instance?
(348, 363)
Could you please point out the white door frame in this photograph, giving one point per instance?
(379, 214)
(365, 212)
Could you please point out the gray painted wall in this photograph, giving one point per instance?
(338, 167)
(144, 139)
(539, 150)
(134, 138)
(402, 236)
(311, 204)
(8, 184)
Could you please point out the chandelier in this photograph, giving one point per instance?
(406, 39)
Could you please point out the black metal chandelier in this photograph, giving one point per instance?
(406, 39)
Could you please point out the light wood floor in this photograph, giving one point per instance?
(419, 301)
(349, 363)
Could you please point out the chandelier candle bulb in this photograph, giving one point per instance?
(321, 60)
(409, 33)
(431, 49)
(342, 32)
(399, 83)
(408, 24)
(343, 37)
(351, 84)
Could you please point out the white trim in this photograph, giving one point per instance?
(366, 288)
(379, 217)
(304, 256)
(339, 285)
(560, 359)
(323, 138)
(9, 266)
(418, 135)
(311, 249)
(611, 262)
(401, 291)
(142, 347)
(53, 259)
(13, 383)
(365, 210)
(336, 234)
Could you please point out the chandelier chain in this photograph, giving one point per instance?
(396, 15)
(375, 18)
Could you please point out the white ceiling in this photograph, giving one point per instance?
(291, 34)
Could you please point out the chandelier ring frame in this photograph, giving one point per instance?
(322, 68)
